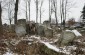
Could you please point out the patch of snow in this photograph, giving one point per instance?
(30, 39)
(15, 42)
(79, 40)
(69, 30)
(55, 40)
(9, 53)
(58, 35)
(29, 43)
(59, 28)
(51, 46)
(54, 48)
(82, 30)
(76, 33)
(49, 28)
(35, 37)
(83, 49)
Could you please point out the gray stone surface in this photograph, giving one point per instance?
(47, 24)
(48, 32)
(20, 30)
(40, 30)
(21, 21)
(66, 38)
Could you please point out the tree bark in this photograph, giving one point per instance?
(16, 11)
(49, 11)
(36, 11)
(1, 27)
(26, 12)
(61, 11)
(55, 7)
(41, 10)
(40, 15)
(29, 8)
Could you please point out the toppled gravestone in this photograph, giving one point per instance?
(20, 28)
(65, 38)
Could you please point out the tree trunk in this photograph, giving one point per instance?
(40, 15)
(41, 10)
(36, 11)
(65, 12)
(26, 12)
(1, 27)
(49, 12)
(55, 7)
(16, 11)
(29, 8)
(61, 11)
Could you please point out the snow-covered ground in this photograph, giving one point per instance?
(54, 48)
(10, 53)
(66, 49)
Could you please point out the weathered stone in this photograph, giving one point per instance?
(46, 23)
(48, 32)
(21, 21)
(20, 30)
(40, 30)
(30, 28)
(46, 51)
(66, 38)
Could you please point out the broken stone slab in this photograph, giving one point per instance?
(45, 50)
(65, 38)
(20, 30)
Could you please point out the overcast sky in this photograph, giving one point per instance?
(74, 12)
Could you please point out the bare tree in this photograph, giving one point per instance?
(1, 28)
(50, 10)
(29, 2)
(55, 10)
(10, 11)
(37, 2)
(64, 11)
(16, 11)
(64, 7)
(41, 10)
(26, 10)
(61, 10)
